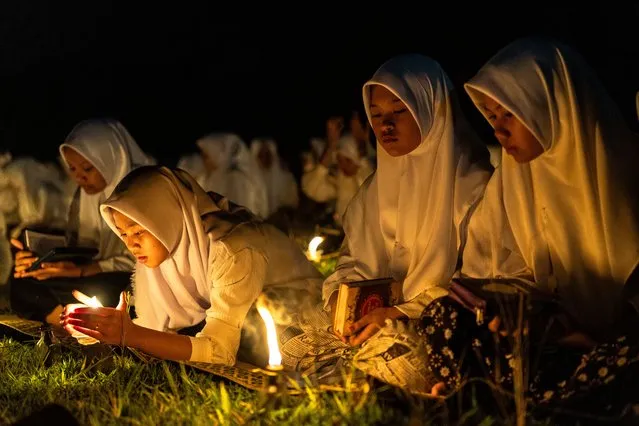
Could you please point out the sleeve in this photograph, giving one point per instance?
(236, 282)
(318, 185)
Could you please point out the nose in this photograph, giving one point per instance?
(131, 242)
(79, 176)
(502, 135)
(388, 125)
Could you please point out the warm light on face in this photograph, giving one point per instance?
(313, 253)
(274, 356)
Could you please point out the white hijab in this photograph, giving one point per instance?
(237, 175)
(405, 220)
(570, 214)
(175, 294)
(276, 178)
(110, 148)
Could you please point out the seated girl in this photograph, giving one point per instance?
(201, 264)
(408, 219)
(98, 153)
(561, 209)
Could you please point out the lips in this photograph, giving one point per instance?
(389, 139)
(142, 259)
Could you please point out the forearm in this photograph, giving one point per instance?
(159, 344)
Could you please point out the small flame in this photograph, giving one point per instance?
(313, 253)
(89, 301)
(274, 356)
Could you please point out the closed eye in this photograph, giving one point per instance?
(400, 111)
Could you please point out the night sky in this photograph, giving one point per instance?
(173, 74)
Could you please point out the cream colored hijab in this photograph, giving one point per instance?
(173, 207)
(405, 220)
(570, 214)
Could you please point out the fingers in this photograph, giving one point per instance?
(438, 389)
(17, 244)
(87, 310)
(24, 254)
(122, 305)
(358, 325)
(87, 331)
(364, 335)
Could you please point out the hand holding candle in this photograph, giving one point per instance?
(90, 320)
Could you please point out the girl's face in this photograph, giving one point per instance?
(83, 172)
(511, 133)
(393, 124)
(147, 249)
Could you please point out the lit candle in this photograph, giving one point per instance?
(313, 253)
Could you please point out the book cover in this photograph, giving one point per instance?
(357, 298)
(41, 243)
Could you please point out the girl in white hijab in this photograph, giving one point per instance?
(408, 219)
(202, 262)
(280, 183)
(233, 172)
(562, 208)
(98, 154)
(352, 170)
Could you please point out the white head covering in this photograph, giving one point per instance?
(405, 219)
(237, 175)
(278, 181)
(193, 164)
(347, 147)
(175, 294)
(110, 148)
(571, 213)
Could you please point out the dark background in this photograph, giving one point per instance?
(173, 73)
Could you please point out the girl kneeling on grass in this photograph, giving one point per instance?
(201, 264)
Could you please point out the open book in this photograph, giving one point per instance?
(357, 298)
(41, 243)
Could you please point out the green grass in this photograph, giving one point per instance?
(126, 391)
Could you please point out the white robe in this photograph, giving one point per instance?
(322, 185)
(569, 217)
(280, 183)
(237, 175)
(408, 219)
(221, 258)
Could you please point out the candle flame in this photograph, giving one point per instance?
(274, 356)
(89, 301)
(312, 248)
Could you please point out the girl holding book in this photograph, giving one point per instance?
(408, 219)
(201, 264)
(98, 153)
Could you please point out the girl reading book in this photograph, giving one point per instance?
(407, 221)
(98, 153)
(201, 264)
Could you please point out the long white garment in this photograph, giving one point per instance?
(569, 217)
(32, 192)
(221, 257)
(110, 148)
(237, 174)
(280, 183)
(407, 219)
(320, 185)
